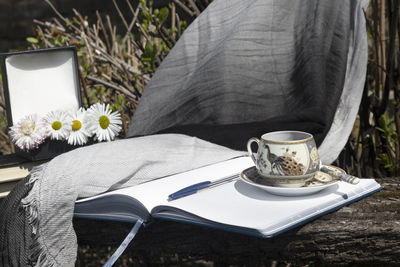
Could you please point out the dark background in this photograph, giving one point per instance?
(16, 16)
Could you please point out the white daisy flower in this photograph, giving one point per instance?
(58, 124)
(104, 123)
(79, 133)
(28, 134)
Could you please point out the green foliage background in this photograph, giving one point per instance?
(373, 148)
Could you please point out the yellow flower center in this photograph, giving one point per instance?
(104, 122)
(27, 128)
(76, 125)
(56, 125)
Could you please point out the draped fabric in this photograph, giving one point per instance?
(244, 68)
(15, 233)
(36, 218)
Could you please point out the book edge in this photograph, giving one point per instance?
(272, 233)
(325, 211)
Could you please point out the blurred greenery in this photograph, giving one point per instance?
(373, 148)
(116, 64)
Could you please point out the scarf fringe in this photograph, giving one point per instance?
(37, 252)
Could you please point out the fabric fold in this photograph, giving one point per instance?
(95, 169)
(244, 68)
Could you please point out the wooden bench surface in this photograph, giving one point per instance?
(365, 233)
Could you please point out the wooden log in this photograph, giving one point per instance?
(364, 233)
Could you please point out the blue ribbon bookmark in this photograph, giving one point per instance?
(114, 257)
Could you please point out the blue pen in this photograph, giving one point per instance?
(192, 189)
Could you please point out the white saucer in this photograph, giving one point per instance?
(252, 177)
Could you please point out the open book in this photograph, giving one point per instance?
(235, 206)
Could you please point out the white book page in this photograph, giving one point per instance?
(240, 204)
(243, 205)
(156, 192)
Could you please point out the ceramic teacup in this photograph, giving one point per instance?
(286, 158)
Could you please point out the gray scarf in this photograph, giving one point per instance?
(244, 68)
(96, 169)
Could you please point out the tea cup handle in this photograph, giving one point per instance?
(251, 140)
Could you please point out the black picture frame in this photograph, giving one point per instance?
(50, 148)
(4, 56)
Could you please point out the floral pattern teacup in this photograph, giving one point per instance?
(285, 154)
